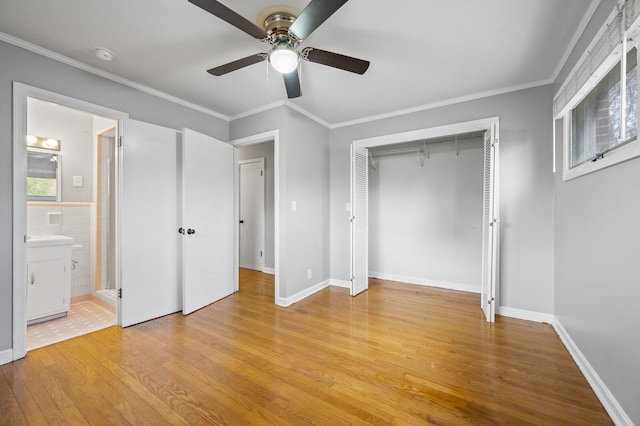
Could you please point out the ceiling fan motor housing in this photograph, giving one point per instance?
(277, 27)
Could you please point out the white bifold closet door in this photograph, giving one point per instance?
(148, 217)
(490, 224)
(359, 220)
(207, 219)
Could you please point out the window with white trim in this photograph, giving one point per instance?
(596, 120)
(598, 102)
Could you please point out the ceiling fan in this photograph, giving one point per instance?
(284, 29)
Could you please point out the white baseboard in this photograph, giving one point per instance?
(525, 315)
(430, 283)
(288, 301)
(340, 283)
(614, 409)
(269, 271)
(6, 356)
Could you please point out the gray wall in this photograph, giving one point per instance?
(75, 130)
(526, 270)
(597, 273)
(265, 150)
(304, 148)
(26, 67)
(425, 222)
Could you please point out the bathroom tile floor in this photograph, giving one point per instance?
(83, 317)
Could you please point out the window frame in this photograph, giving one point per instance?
(619, 154)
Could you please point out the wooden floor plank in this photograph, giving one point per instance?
(395, 354)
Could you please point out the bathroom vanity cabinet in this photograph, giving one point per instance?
(48, 277)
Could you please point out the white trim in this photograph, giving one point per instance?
(613, 407)
(277, 104)
(109, 76)
(469, 288)
(308, 114)
(576, 36)
(396, 113)
(258, 110)
(446, 102)
(279, 194)
(340, 283)
(523, 314)
(270, 271)
(6, 356)
(288, 301)
(20, 94)
(431, 132)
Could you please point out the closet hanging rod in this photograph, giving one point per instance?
(415, 148)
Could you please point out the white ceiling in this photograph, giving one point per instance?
(421, 51)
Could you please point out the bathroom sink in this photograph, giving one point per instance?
(48, 240)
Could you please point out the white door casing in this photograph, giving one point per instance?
(207, 220)
(148, 217)
(490, 224)
(252, 213)
(359, 220)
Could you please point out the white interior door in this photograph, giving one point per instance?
(359, 220)
(148, 218)
(490, 224)
(252, 214)
(207, 220)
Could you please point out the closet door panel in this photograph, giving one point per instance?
(207, 220)
(359, 220)
(148, 217)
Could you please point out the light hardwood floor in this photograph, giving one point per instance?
(397, 354)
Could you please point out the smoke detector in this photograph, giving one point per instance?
(103, 53)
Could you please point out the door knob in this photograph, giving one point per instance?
(181, 231)
(242, 221)
(191, 231)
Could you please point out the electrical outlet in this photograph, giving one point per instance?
(294, 206)
(309, 274)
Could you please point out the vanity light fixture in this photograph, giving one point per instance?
(43, 143)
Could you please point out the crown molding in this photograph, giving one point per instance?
(104, 74)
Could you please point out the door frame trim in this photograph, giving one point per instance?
(260, 160)
(21, 92)
(279, 225)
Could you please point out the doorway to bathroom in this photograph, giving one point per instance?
(70, 221)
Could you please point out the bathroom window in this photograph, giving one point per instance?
(43, 176)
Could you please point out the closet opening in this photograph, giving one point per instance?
(425, 209)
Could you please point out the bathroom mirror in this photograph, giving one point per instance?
(43, 176)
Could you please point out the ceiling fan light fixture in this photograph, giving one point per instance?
(284, 59)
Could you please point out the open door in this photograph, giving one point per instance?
(148, 217)
(490, 224)
(359, 225)
(207, 220)
(252, 214)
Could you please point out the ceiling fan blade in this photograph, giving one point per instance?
(223, 12)
(292, 83)
(335, 60)
(313, 16)
(236, 65)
